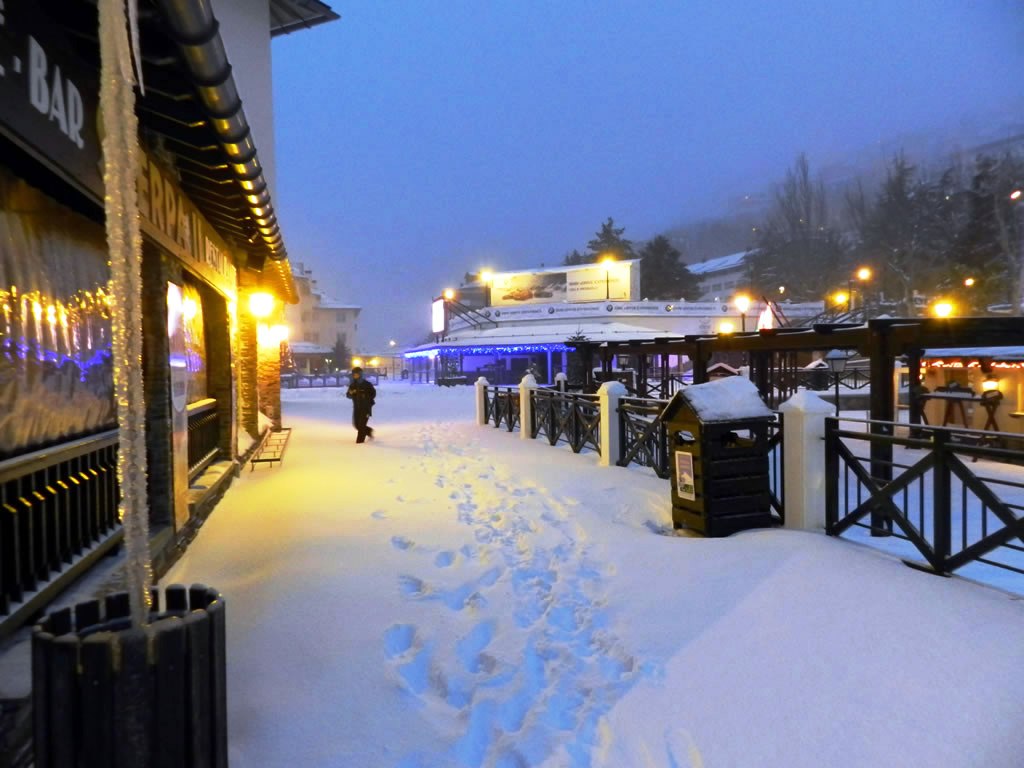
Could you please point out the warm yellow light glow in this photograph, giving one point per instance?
(374, 362)
(990, 385)
(449, 294)
(943, 309)
(969, 282)
(278, 333)
(742, 303)
(840, 297)
(726, 327)
(486, 276)
(189, 308)
(357, 362)
(261, 304)
(864, 273)
(607, 261)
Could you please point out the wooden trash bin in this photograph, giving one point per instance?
(718, 436)
(107, 694)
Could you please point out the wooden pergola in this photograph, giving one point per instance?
(773, 354)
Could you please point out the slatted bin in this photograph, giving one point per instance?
(112, 696)
(718, 435)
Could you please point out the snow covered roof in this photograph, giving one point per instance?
(720, 264)
(995, 353)
(734, 397)
(326, 302)
(511, 335)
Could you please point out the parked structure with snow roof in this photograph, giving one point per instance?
(522, 326)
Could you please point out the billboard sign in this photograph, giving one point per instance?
(616, 281)
(439, 316)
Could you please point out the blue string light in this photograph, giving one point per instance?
(513, 349)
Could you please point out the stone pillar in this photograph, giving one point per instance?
(268, 377)
(526, 406)
(481, 400)
(804, 455)
(608, 397)
(248, 393)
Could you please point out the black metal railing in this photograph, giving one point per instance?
(915, 486)
(642, 438)
(822, 379)
(203, 435)
(568, 417)
(54, 505)
(776, 467)
(501, 406)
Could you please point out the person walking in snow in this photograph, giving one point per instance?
(363, 396)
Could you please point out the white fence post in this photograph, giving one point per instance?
(526, 406)
(481, 400)
(561, 381)
(803, 430)
(608, 397)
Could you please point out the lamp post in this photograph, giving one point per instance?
(742, 303)
(607, 262)
(836, 360)
(486, 277)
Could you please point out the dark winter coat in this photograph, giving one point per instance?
(362, 394)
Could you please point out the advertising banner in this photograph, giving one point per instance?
(616, 281)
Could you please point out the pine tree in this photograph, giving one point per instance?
(663, 275)
(610, 242)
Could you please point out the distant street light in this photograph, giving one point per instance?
(840, 298)
(969, 282)
(943, 309)
(864, 274)
(392, 343)
(726, 327)
(449, 294)
(1015, 195)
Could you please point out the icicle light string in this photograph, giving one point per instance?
(124, 240)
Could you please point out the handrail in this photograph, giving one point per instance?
(11, 469)
(201, 406)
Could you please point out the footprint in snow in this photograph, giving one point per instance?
(444, 559)
(398, 639)
(401, 542)
(379, 514)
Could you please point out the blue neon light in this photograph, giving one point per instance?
(511, 349)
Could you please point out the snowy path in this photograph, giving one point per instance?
(449, 595)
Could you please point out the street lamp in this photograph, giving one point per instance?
(261, 304)
(486, 277)
(607, 262)
(742, 303)
(943, 309)
(726, 327)
(392, 343)
(969, 282)
(836, 360)
(449, 294)
(840, 298)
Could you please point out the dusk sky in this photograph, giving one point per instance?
(417, 141)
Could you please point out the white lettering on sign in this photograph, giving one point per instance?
(53, 95)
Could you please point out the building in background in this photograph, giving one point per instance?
(320, 327)
(212, 255)
(721, 277)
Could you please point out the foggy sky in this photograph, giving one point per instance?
(420, 140)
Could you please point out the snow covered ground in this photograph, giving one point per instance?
(451, 595)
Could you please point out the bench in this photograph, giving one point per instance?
(272, 448)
